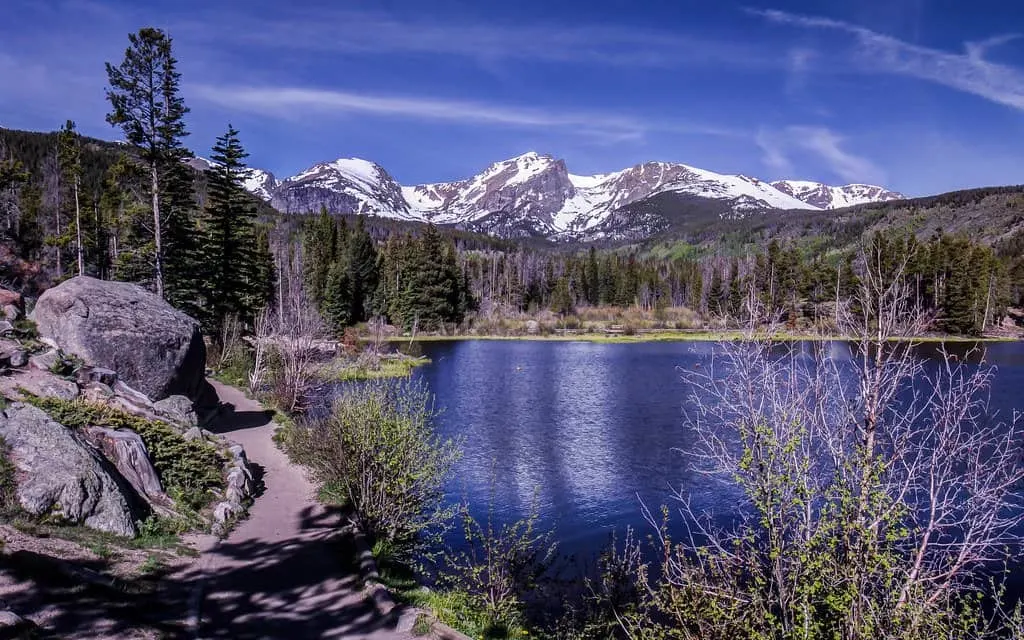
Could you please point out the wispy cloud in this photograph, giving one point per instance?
(348, 31)
(969, 72)
(823, 145)
(829, 147)
(296, 102)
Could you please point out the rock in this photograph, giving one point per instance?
(11, 354)
(195, 433)
(44, 361)
(8, 297)
(98, 393)
(125, 449)
(178, 409)
(6, 327)
(532, 327)
(37, 383)
(12, 305)
(153, 347)
(86, 375)
(58, 473)
(12, 625)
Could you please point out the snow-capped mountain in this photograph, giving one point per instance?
(535, 194)
(261, 184)
(345, 185)
(824, 196)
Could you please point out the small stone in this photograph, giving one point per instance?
(18, 358)
(98, 393)
(44, 361)
(10, 312)
(6, 327)
(195, 433)
(87, 375)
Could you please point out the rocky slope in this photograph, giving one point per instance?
(536, 195)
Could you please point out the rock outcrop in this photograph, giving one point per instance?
(125, 449)
(152, 346)
(59, 474)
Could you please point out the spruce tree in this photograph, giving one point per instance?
(362, 271)
(230, 249)
(146, 105)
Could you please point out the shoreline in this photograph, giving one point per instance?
(704, 336)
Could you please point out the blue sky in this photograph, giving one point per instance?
(922, 96)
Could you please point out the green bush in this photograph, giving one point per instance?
(190, 470)
(378, 452)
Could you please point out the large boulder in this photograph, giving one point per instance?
(152, 346)
(59, 474)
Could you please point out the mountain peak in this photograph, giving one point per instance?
(534, 194)
(830, 197)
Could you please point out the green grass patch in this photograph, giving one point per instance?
(388, 368)
(8, 489)
(456, 609)
(190, 470)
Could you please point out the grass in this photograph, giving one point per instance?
(392, 368)
(99, 542)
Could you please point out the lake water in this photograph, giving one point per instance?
(588, 431)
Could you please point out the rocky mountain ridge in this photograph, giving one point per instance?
(536, 195)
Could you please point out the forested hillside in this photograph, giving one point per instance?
(142, 211)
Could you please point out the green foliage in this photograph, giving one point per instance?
(235, 270)
(379, 452)
(8, 486)
(190, 470)
(497, 571)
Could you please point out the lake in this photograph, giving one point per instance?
(589, 430)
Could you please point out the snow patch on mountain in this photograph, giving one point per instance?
(534, 194)
(824, 196)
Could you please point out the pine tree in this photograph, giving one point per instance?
(320, 249)
(230, 248)
(146, 105)
(362, 271)
(593, 279)
(70, 158)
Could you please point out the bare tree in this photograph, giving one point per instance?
(875, 487)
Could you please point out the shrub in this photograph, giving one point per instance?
(190, 470)
(378, 450)
(500, 568)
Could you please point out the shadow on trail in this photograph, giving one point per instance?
(298, 589)
(229, 419)
(75, 602)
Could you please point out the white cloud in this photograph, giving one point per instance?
(294, 102)
(829, 147)
(379, 33)
(774, 152)
(824, 145)
(969, 72)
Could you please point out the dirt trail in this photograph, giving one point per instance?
(279, 573)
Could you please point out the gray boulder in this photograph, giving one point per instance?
(152, 346)
(177, 409)
(59, 474)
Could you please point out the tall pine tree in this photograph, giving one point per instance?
(146, 105)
